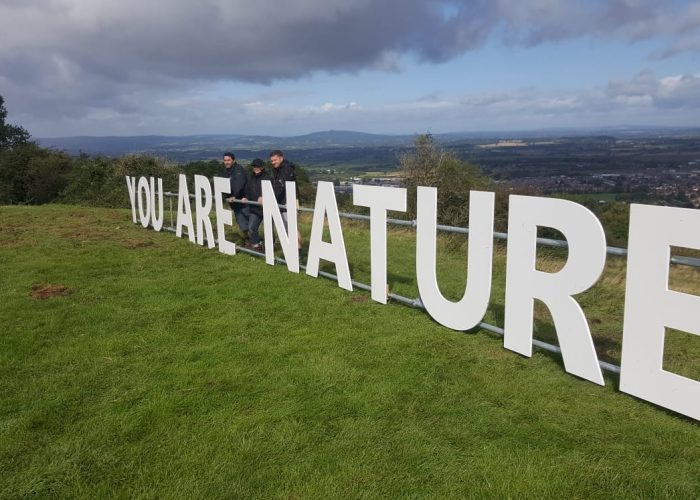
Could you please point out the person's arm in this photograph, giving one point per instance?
(278, 186)
(289, 174)
(243, 180)
(232, 188)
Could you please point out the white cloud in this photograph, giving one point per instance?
(643, 99)
(73, 62)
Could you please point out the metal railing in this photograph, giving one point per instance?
(416, 303)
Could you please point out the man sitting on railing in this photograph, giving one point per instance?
(283, 171)
(253, 192)
(238, 178)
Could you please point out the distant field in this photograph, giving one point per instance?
(582, 197)
(134, 363)
(346, 170)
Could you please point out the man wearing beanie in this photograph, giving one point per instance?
(253, 192)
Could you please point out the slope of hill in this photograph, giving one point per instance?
(137, 364)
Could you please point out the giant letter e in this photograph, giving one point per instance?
(650, 307)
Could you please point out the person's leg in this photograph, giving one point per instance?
(242, 213)
(254, 224)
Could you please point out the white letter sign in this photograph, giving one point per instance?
(224, 218)
(131, 186)
(319, 249)
(650, 307)
(379, 199)
(203, 209)
(524, 283)
(184, 212)
(144, 192)
(271, 214)
(468, 312)
(157, 215)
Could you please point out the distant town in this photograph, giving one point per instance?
(631, 164)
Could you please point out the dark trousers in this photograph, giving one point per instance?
(255, 221)
(242, 213)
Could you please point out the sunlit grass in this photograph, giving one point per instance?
(169, 370)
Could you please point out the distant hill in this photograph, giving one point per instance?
(207, 144)
(347, 138)
(325, 146)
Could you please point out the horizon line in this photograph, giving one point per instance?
(394, 134)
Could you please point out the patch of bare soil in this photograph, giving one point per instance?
(88, 235)
(10, 234)
(43, 292)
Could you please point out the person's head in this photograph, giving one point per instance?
(229, 158)
(258, 166)
(276, 158)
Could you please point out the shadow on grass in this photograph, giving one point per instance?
(545, 332)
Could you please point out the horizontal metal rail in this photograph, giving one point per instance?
(616, 251)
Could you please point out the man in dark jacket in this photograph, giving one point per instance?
(282, 172)
(253, 192)
(237, 176)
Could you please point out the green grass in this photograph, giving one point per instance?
(170, 370)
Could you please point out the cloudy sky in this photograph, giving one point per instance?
(131, 67)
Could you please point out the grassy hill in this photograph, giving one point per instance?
(134, 363)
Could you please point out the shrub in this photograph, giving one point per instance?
(32, 175)
(100, 181)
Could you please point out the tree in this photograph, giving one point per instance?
(11, 136)
(430, 165)
(210, 168)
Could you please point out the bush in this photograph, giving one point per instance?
(100, 181)
(87, 181)
(209, 169)
(32, 175)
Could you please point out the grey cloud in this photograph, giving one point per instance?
(264, 41)
(73, 57)
(223, 40)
